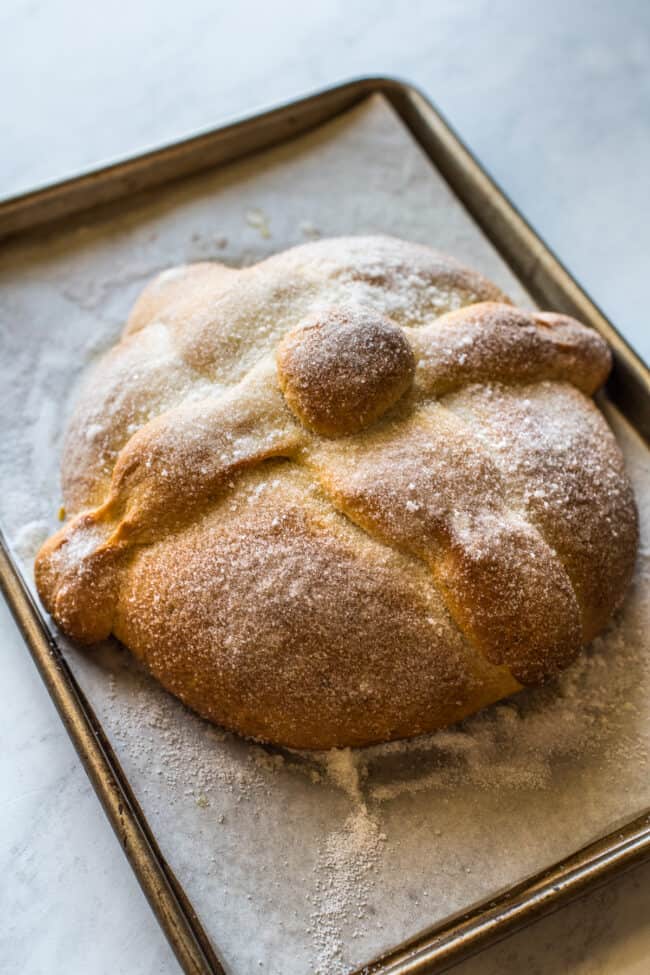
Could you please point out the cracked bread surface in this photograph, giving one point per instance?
(346, 495)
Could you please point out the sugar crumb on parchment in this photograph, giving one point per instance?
(260, 221)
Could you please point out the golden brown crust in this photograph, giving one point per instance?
(174, 294)
(425, 484)
(349, 494)
(489, 342)
(289, 587)
(341, 369)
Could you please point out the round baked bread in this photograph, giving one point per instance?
(347, 495)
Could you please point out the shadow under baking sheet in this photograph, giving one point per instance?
(312, 863)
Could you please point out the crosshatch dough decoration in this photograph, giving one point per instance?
(347, 495)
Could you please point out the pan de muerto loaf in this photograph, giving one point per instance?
(346, 495)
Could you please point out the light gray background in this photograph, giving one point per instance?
(555, 100)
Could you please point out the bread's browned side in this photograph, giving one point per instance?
(347, 495)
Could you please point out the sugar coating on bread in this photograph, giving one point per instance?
(347, 495)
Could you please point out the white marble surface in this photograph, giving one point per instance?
(555, 100)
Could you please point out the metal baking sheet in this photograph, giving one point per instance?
(313, 864)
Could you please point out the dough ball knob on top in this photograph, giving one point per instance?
(340, 370)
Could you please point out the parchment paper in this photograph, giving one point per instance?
(310, 864)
